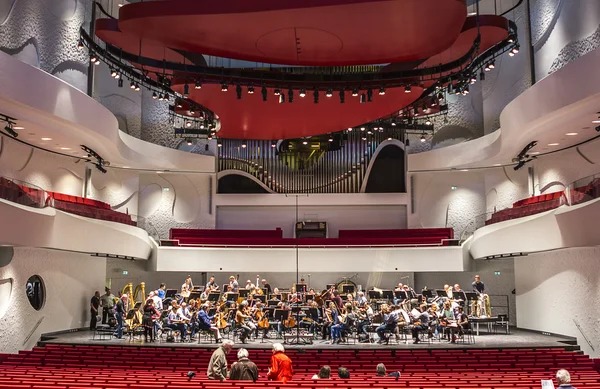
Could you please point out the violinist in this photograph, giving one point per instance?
(204, 295)
(281, 324)
(327, 320)
(244, 321)
(262, 320)
(365, 314)
(360, 298)
(205, 322)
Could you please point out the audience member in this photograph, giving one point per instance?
(281, 365)
(94, 306)
(120, 315)
(217, 366)
(381, 370)
(324, 372)
(343, 373)
(244, 369)
(563, 379)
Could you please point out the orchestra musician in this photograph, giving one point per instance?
(339, 303)
(390, 321)
(328, 319)
(462, 324)
(364, 317)
(421, 321)
(250, 285)
(205, 322)
(243, 320)
(483, 302)
(186, 289)
(176, 323)
(212, 285)
(233, 284)
(266, 286)
(360, 298)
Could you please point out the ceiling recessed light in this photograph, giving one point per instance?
(20, 128)
(65, 148)
(497, 164)
(159, 172)
(552, 144)
(464, 170)
(596, 121)
(571, 133)
(46, 138)
(535, 153)
(472, 14)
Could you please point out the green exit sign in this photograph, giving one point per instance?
(125, 272)
(496, 273)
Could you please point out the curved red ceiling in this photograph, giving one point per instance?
(300, 32)
(253, 118)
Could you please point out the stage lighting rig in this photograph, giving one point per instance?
(10, 123)
(523, 153)
(100, 162)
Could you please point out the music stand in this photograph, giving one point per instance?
(212, 311)
(194, 296)
(387, 294)
(460, 295)
(374, 295)
(281, 314)
(400, 294)
(233, 296)
(137, 306)
(273, 303)
(471, 296)
(277, 296)
(300, 288)
(427, 293)
(348, 289)
(329, 286)
(262, 298)
(243, 292)
(344, 297)
(225, 287)
(213, 296)
(170, 293)
(441, 293)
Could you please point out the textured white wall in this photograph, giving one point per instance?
(558, 288)
(186, 203)
(437, 205)
(70, 281)
(504, 186)
(562, 31)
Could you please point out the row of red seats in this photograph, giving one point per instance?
(538, 199)
(320, 242)
(78, 200)
(444, 233)
(21, 194)
(528, 207)
(94, 213)
(178, 233)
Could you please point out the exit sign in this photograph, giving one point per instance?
(125, 272)
(496, 273)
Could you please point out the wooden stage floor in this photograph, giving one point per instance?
(518, 338)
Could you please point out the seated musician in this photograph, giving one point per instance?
(185, 315)
(211, 285)
(233, 284)
(365, 314)
(462, 324)
(205, 322)
(401, 320)
(250, 285)
(244, 321)
(266, 285)
(204, 295)
(262, 321)
(328, 319)
(258, 291)
(227, 296)
(311, 294)
(280, 325)
(176, 323)
(339, 303)
(422, 323)
(399, 288)
(390, 321)
(349, 321)
(360, 298)
(337, 324)
(186, 288)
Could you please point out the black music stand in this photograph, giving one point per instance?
(300, 288)
(427, 293)
(441, 293)
(212, 311)
(344, 297)
(387, 295)
(225, 286)
(243, 292)
(281, 314)
(213, 296)
(262, 298)
(272, 303)
(348, 289)
(329, 286)
(194, 296)
(170, 293)
(374, 295)
(471, 296)
(400, 295)
(461, 296)
(232, 297)
(277, 296)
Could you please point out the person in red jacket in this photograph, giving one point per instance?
(281, 365)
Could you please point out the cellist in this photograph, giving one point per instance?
(205, 323)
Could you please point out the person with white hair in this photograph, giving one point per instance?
(217, 366)
(360, 298)
(281, 365)
(563, 379)
(244, 369)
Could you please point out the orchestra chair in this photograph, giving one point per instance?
(135, 332)
(103, 331)
(205, 336)
(502, 324)
(424, 335)
(468, 336)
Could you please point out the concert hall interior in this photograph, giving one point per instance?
(407, 182)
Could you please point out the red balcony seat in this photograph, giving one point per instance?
(176, 233)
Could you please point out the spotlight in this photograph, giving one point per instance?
(93, 58)
(161, 97)
(428, 122)
(350, 129)
(304, 142)
(407, 89)
(251, 90)
(511, 38)
(186, 90)
(188, 124)
(120, 83)
(132, 85)
(166, 97)
(97, 62)
(113, 73)
(342, 96)
(363, 98)
(244, 145)
(434, 103)
(390, 138)
(487, 68)
(516, 49)
(209, 137)
(290, 95)
(362, 128)
(198, 85)
(189, 142)
(473, 79)
(154, 96)
(363, 138)
(423, 139)
(329, 93)
(281, 98)
(192, 111)
(369, 95)
(273, 144)
(492, 65)
(224, 88)
(219, 143)
(457, 90)
(238, 92)
(178, 103)
(8, 128)
(316, 96)
(394, 122)
(511, 54)
(263, 92)
(465, 90)
(302, 92)
(276, 92)
(330, 138)
(137, 87)
(80, 44)
(354, 92)
(381, 91)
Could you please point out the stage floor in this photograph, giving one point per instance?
(516, 339)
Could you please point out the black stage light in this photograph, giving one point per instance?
(428, 122)
(93, 58)
(8, 128)
(198, 85)
(189, 142)
(238, 91)
(154, 95)
(166, 97)
(137, 87)
(132, 85)
(276, 92)
(290, 95)
(251, 90)
(224, 88)
(423, 139)
(263, 92)
(186, 90)
(316, 96)
(381, 91)
(178, 103)
(219, 143)
(394, 122)
(407, 89)
(80, 44)
(330, 138)
(120, 83)
(244, 144)
(161, 97)
(113, 73)
(354, 92)
(342, 96)
(329, 93)
(273, 144)
(492, 64)
(302, 92)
